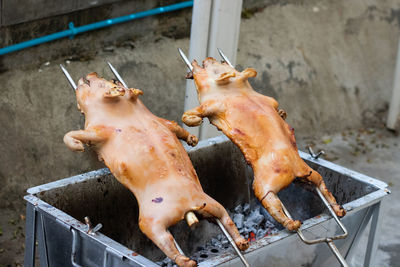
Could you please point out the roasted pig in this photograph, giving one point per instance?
(144, 154)
(255, 124)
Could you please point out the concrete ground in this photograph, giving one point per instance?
(376, 153)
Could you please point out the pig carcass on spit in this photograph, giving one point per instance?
(144, 154)
(255, 124)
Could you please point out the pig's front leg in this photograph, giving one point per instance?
(181, 133)
(194, 117)
(75, 139)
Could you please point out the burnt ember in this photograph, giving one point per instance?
(253, 222)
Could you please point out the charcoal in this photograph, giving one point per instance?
(215, 242)
(253, 229)
(266, 215)
(248, 220)
(246, 209)
(238, 219)
(238, 209)
(255, 217)
(261, 233)
(269, 224)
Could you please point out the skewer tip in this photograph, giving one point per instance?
(225, 58)
(69, 78)
(185, 59)
(116, 74)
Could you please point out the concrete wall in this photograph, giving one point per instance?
(329, 63)
(13, 13)
(175, 24)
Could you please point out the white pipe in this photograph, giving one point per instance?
(394, 107)
(224, 34)
(197, 50)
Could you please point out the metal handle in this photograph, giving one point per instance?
(75, 248)
(313, 155)
(328, 240)
(337, 253)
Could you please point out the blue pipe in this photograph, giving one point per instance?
(93, 26)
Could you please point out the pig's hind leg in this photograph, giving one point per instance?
(164, 241)
(315, 178)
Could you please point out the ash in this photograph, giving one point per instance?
(253, 222)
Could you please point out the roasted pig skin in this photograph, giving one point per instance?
(257, 126)
(143, 152)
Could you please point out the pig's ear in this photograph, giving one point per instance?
(114, 92)
(224, 77)
(134, 93)
(248, 73)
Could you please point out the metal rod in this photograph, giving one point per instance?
(329, 241)
(115, 72)
(75, 236)
(119, 78)
(177, 246)
(69, 78)
(225, 58)
(190, 217)
(333, 215)
(185, 59)
(337, 253)
(232, 243)
(315, 156)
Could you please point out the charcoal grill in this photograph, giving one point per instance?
(56, 212)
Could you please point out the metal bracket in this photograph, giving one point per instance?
(313, 155)
(91, 230)
(328, 240)
(75, 247)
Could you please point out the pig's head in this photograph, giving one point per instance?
(95, 92)
(215, 77)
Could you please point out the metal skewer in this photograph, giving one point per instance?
(115, 72)
(185, 59)
(69, 78)
(224, 57)
(190, 217)
(87, 221)
(328, 240)
(191, 214)
(231, 241)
